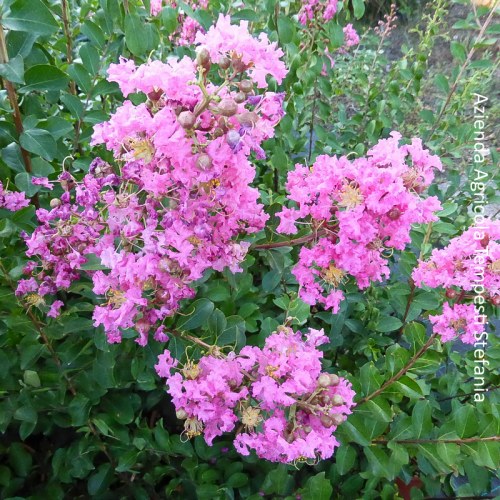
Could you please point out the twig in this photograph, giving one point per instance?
(401, 372)
(289, 243)
(461, 71)
(69, 46)
(11, 93)
(427, 441)
(39, 328)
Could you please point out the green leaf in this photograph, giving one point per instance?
(90, 58)
(421, 418)
(466, 423)
(345, 457)
(169, 19)
(237, 480)
(442, 83)
(39, 142)
(13, 70)
(94, 34)
(32, 16)
(408, 387)
(93, 263)
(389, 324)
(44, 77)
(99, 482)
(198, 313)
(23, 182)
(359, 8)
(317, 488)
(74, 105)
(136, 36)
(286, 29)
(377, 409)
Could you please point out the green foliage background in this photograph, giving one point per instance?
(81, 418)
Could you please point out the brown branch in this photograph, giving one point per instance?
(67, 35)
(12, 95)
(462, 69)
(39, 328)
(289, 243)
(401, 372)
(428, 441)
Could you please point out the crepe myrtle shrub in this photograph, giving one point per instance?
(325, 338)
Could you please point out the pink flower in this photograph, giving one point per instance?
(12, 201)
(459, 320)
(260, 56)
(42, 181)
(469, 259)
(365, 209)
(259, 388)
(55, 309)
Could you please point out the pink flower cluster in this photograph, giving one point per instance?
(323, 10)
(288, 407)
(11, 200)
(458, 320)
(180, 192)
(362, 210)
(469, 260)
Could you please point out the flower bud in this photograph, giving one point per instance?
(394, 213)
(246, 86)
(324, 380)
(155, 94)
(224, 62)
(337, 419)
(218, 132)
(450, 293)
(248, 119)
(337, 400)
(238, 65)
(181, 414)
(187, 119)
(203, 162)
(334, 379)
(227, 107)
(55, 202)
(203, 58)
(233, 138)
(495, 300)
(326, 421)
(485, 241)
(240, 97)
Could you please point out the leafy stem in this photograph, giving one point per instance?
(401, 372)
